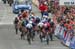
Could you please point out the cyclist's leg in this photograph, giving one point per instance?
(51, 37)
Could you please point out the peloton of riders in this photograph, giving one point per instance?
(28, 24)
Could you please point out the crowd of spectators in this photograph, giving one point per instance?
(62, 16)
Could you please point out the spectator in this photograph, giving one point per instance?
(42, 8)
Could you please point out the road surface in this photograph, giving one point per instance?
(8, 38)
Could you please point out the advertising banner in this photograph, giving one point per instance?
(67, 2)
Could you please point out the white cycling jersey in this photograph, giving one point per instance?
(29, 25)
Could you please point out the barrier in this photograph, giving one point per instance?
(65, 37)
(72, 43)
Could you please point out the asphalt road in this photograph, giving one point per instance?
(8, 38)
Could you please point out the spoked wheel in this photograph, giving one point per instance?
(47, 39)
(29, 38)
(22, 36)
(33, 35)
(41, 37)
(16, 29)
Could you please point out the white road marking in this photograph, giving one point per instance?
(2, 23)
(55, 47)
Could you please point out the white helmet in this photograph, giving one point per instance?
(30, 22)
(40, 24)
(51, 20)
(45, 16)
